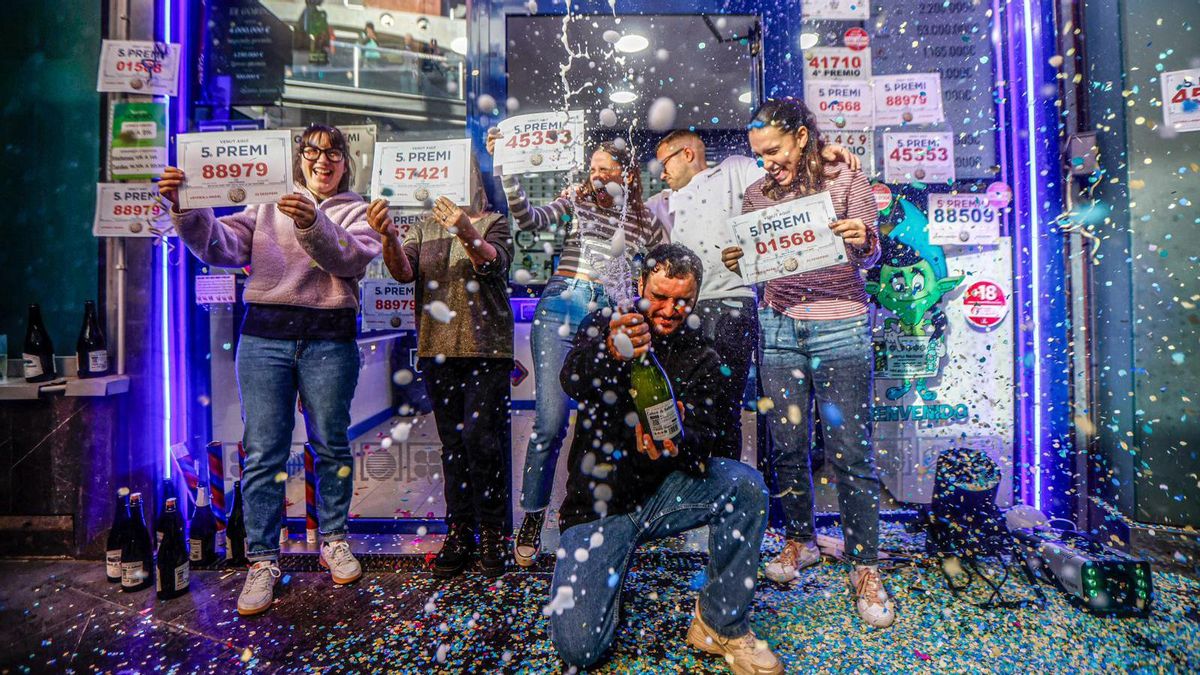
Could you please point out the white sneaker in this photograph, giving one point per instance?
(259, 589)
(341, 563)
(795, 556)
(871, 598)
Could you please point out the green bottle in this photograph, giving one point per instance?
(651, 391)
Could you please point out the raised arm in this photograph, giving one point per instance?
(224, 242)
(401, 266)
(532, 218)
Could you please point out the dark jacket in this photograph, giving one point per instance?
(604, 460)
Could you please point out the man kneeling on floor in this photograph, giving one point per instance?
(625, 489)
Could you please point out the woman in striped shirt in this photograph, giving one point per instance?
(606, 222)
(816, 343)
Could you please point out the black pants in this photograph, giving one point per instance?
(730, 327)
(470, 399)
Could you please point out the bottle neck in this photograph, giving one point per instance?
(201, 495)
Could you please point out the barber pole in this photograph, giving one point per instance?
(310, 494)
(185, 466)
(216, 484)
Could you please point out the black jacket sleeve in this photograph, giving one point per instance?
(589, 369)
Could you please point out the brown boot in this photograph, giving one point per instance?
(746, 654)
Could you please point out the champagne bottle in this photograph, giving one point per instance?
(235, 532)
(202, 534)
(655, 401)
(161, 524)
(137, 556)
(38, 352)
(173, 566)
(91, 351)
(117, 535)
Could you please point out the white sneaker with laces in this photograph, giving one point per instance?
(871, 598)
(795, 556)
(341, 563)
(259, 589)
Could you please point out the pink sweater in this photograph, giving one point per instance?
(319, 266)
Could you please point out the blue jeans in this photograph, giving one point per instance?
(270, 374)
(830, 361)
(582, 633)
(565, 300)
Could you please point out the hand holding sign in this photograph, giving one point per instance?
(791, 238)
(538, 143)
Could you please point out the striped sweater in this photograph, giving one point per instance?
(590, 229)
(835, 292)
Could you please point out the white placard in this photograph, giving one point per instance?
(860, 143)
(1181, 99)
(360, 140)
(405, 218)
(139, 67)
(216, 289)
(415, 174)
(841, 104)
(541, 143)
(962, 219)
(914, 98)
(788, 239)
(918, 156)
(388, 305)
(837, 63)
(849, 10)
(127, 210)
(234, 168)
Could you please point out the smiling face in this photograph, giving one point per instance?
(322, 176)
(780, 151)
(671, 300)
(604, 169)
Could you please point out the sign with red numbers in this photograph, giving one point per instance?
(541, 142)
(127, 210)
(861, 144)
(234, 168)
(388, 305)
(914, 98)
(985, 304)
(417, 173)
(841, 104)
(836, 63)
(138, 67)
(791, 238)
(918, 157)
(1181, 100)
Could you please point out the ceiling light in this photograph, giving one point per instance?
(745, 97)
(622, 97)
(459, 45)
(809, 40)
(631, 43)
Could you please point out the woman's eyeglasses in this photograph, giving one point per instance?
(312, 153)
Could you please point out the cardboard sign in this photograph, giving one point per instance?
(841, 104)
(860, 143)
(138, 67)
(791, 238)
(850, 10)
(388, 305)
(234, 168)
(909, 99)
(1181, 99)
(415, 174)
(918, 157)
(360, 140)
(127, 210)
(541, 143)
(138, 150)
(836, 63)
(216, 289)
(905, 356)
(962, 219)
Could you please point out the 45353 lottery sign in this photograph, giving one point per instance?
(541, 142)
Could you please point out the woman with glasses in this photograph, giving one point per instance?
(307, 253)
(604, 220)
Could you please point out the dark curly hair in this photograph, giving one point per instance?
(789, 115)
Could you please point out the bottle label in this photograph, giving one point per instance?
(182, 574)
(195, 549)
(664, 420)
(112, 563)
(33, 366)
(97, 361)
(132, 574)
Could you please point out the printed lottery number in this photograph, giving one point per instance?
(785, 242)
(137, 210)
(920, 155)
(422, 173)
(835, 62)
(987, 293)
(246, 169)
(1186, 94)
(841, 106)
(139, 67)
(385, 305)
(905, 100)
(963, 215)
(532, 138)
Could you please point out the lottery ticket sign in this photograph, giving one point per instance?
(127, 210)
(414, 174)
(1181, 99)
(908, 99)
(849, 10)
(837, 63)
(918, 157)
(541, 142)
(841, 104)
(138, 67)
(788, 239)
(962, 219)
(234, 168)
(388, 305)
(861, 144)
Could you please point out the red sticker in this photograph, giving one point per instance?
(883, 195)
(857, 39)
(985, 304)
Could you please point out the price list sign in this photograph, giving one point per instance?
(918, 157)
(541, 142)
(234, 168)
(841, 104)
(962, 219)
(788, 239)
(127, 210)
(908, 99)
(388, 305)
(837, 63)
(137, 67)
(415, 174)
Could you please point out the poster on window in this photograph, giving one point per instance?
(908, 99)
(918, 157)
(415, 174)
(1181, 99)
(841, 104)
(837, 63)
(541, 143)
(138, 67)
